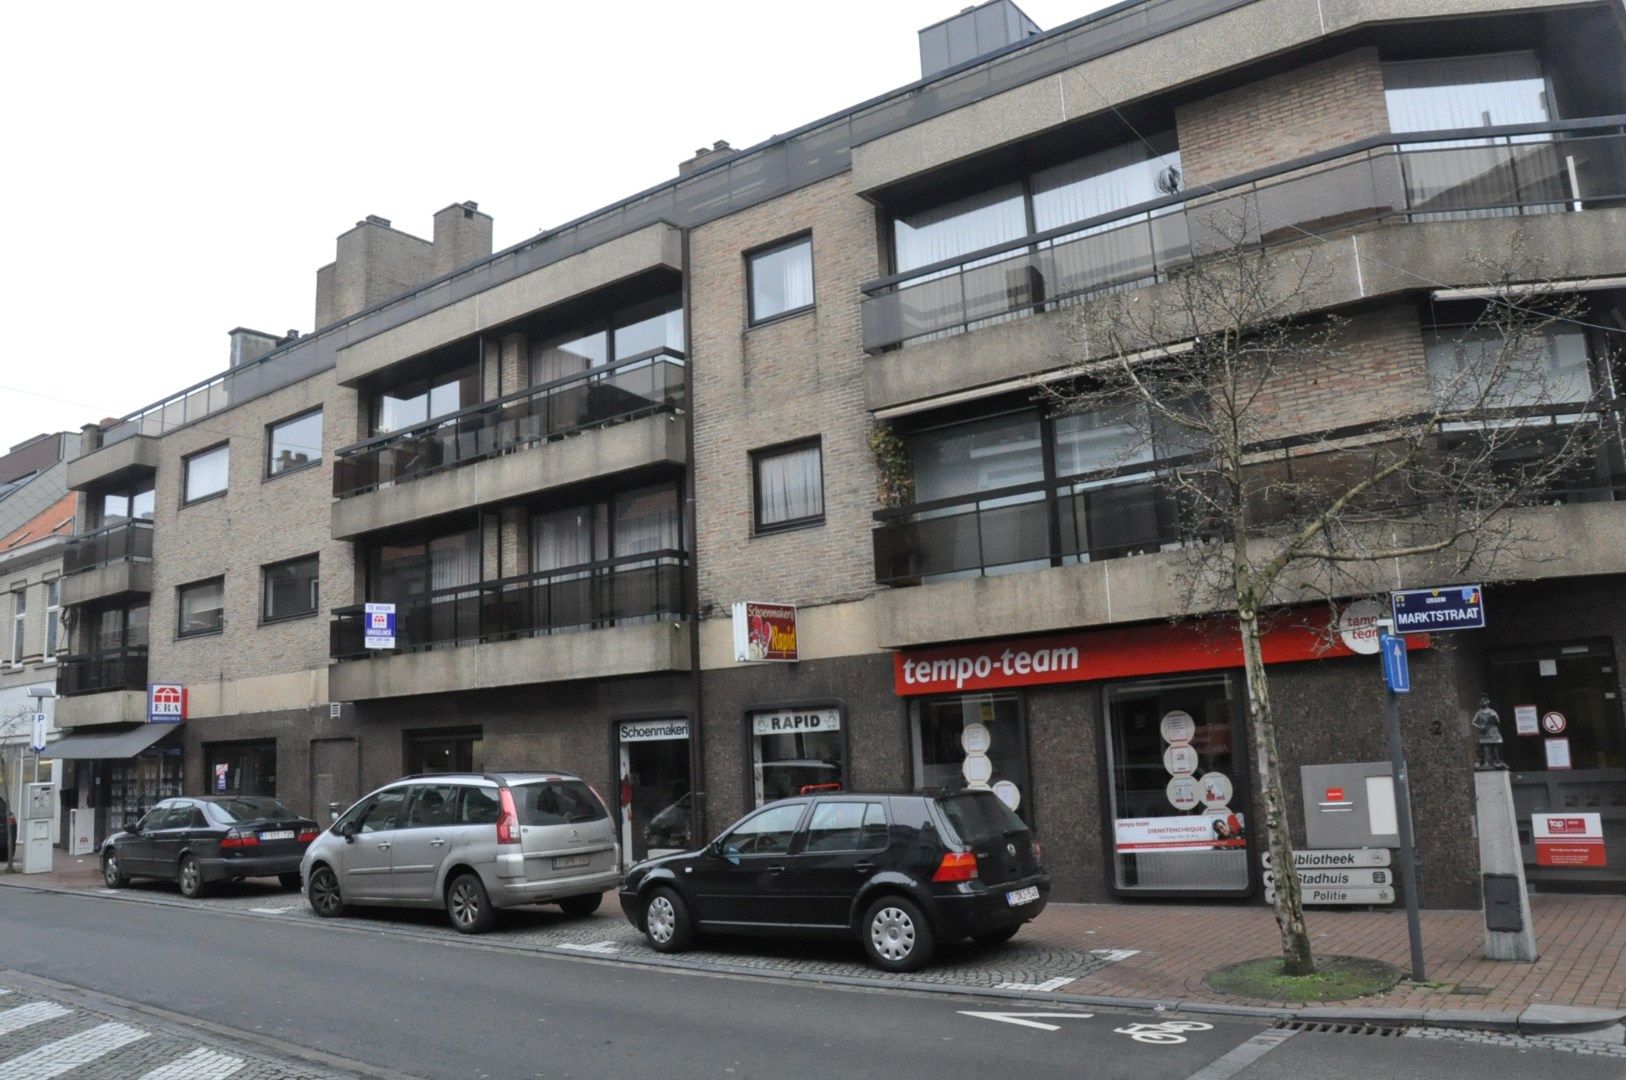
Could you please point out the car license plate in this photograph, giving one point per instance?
(1018, 897)
(571, 862)
(280, 834)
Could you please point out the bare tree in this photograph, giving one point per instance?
(1277, 502)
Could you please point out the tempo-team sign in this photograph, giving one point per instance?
(764, 631)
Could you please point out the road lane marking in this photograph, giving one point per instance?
(200, 1064)
(1043, 988)
(1027, 1019)
(1162, 1033)
(64, 1055)
(603, 948)
(1240, 1057)
(275, 910)
(1114, 956)
(24, 1015)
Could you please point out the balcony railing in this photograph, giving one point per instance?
(110, 669)
(109, 544)
(1418, 176)
(648, 383)
(631, 589)
(1133, 509)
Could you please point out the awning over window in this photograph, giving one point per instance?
(113, 744)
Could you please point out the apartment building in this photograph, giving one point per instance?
(564, 465)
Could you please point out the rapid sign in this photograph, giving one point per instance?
(1422, 611)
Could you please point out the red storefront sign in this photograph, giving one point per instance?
(1126, 652)
(764, 631)
(1569, 840)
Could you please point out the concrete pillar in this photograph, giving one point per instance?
(1500, 865)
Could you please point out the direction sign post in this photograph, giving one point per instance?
(1397, 677)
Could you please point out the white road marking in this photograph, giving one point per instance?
(200, 1064)
(1026, 1019)
(602, 947)
(3, 990)
(64, 1055)
(275, 910)
(1240, 1057)
(1113, 956)
(1043, 988)
(25, 1015)
(1164, 1033)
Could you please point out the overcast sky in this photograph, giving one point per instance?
(175, 170)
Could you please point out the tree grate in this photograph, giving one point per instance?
(1386, 1031)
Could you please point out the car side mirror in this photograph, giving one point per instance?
(348, 831)
(132, 825)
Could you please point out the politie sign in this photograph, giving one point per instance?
(166, 703)
(1422, 611)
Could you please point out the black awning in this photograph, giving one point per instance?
(111, 744)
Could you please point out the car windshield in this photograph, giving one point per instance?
(557, 802)
(979, 816)
(232, 810)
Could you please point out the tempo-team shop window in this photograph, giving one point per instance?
(291, 588)
(972, 741)
(202, 607)
(293, 444)
(1173, 747)
(789, 486)
(206, 473)
(242, 768)
(797, 752)
(781, 279)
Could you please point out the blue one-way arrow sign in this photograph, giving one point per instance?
(1396, 669)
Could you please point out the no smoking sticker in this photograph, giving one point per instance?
(1554, 723)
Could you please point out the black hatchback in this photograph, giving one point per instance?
(194, 842)
(904, 873)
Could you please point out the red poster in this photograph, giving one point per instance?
(1569, 840)
(764, 632)
(1159, 649)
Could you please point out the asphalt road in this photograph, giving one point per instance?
(422, 1008)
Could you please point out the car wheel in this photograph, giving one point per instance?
(113, 873)
(468, 906)
(190, 878)
(667, 924)
(290, 882)
(996, 937)
(896, 935)
(325, 898)
(581, 905)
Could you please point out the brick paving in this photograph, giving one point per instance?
(1150, 951)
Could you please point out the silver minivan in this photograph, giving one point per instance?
(473, 842)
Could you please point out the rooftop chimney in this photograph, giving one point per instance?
(376, 262)
(249, 345)
(462, 235)
(704, 156)
(976, 31)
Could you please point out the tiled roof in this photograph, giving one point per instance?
(54, 520)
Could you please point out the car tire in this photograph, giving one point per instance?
(290, 882)
(667, 923)
(113, 873)
(896, 935)
(582, 905)
(324, 896)
(190, 878)
(468, 905)
(996, 937)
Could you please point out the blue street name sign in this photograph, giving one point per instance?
(1424, 611)
(1396, 668)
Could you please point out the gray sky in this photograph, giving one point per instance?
(179, 169)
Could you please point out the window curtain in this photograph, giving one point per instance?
(206, 473)
(789, 486)
(1103, 439)
(956, 228)
(563, 538)
(454, 560)
(561, 358)
(646, 520)
(982, 455)
(782, 280)
(1114, 253)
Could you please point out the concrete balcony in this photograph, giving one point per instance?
(654, 249)
(107, 582)
(106, 707)
(644, 649)
(127, 459)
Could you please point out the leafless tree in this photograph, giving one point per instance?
(1277, 502)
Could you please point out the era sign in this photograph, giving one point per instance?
(764, 631)
(166, 703)
(378, 626)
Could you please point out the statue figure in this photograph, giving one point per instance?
(1489, 726)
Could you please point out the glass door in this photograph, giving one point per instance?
(656, 793)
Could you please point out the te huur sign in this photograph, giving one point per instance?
(764, 631)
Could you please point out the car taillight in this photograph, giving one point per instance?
(307, 835)
(236, 838)
(508, 823)
(957, 866)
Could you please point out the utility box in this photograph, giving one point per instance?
(81, 831)
(39, 807)
(1349, 806)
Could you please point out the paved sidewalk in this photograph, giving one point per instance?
(1146, 951)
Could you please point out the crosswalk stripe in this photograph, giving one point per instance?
(26, 1015)
(54, 1059)
(200, 1064)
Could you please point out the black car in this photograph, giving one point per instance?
(902, 872)
(194, 842)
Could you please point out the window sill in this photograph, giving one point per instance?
(200, 634)
(783, 316)
(203, 499)
(279, 619)
(764, 531)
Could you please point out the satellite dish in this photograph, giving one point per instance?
(1168, 180)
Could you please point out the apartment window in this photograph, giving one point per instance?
(1449, 93)
(425, 399)
(290, 589)
(293, 444)
(19, 622)
(53, 612)
(202, 607)
(458, 751)
(125, 504)
(119, 628)
(629, 332)
(789, 485)
(1551, 368)
(781, 279)
(206, 473)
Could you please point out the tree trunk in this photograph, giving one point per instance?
(1296, 956)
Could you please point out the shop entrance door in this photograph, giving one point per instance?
(1564, 739)
(655, 797)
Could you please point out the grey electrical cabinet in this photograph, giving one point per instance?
(1349, 806)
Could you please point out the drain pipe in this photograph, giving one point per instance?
(691, 578)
